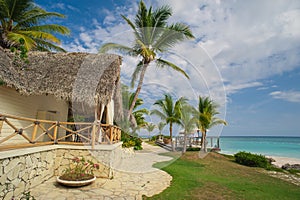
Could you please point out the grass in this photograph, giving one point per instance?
(218, 177)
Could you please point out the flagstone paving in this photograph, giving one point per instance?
(133, 177)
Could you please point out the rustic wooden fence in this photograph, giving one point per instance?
(75, 133)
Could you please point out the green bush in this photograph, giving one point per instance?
(251, 160)
(193, 149)
(131, 141)
(154, 138)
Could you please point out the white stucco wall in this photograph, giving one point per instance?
(12, 103)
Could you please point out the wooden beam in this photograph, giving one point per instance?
(23, 145)
(8, 137)
(10, 124)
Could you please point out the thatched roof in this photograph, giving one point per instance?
(77, 77)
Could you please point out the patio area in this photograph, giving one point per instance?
(132, 178)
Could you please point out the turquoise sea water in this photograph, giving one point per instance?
(269, 146)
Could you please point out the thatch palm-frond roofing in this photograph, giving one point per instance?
(77, 77)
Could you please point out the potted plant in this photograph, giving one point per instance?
(167, 140)
(78, 173)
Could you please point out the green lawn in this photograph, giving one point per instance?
(218, 177)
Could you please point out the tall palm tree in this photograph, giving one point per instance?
(188, 122)
(21, 21)
(150, 127)
(153, 35)
(169, 111)
(206, 117)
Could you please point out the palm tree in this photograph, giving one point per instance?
(205, 115)
(188, 122)
(161, 126)
(152, 36)
(150, 127)
(137, 117)
(21, 21)
(169, 111)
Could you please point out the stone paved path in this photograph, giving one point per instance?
(133, 178)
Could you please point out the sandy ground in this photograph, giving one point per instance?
(279, 161)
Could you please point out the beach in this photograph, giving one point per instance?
(279, 161)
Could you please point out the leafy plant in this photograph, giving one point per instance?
(131, 141)
(251, 160)
(79, 169)
(20, 52)
(23, 20)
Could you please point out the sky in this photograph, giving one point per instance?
(245, 56)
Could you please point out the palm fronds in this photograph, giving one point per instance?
(22, 19)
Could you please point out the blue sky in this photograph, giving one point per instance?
(246, 56)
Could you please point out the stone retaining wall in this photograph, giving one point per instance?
(21, 170)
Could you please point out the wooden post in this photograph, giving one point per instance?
(55, 132)
(1, 123)
(94, 134)
(36, 124)
(218, 142)
(111, 129)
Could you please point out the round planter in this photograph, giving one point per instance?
(75, 183)
(167, 140)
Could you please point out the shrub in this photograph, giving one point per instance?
(251, 160)
(154, 138)
(193, 149)
(131, 141)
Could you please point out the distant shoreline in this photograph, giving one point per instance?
(279, 160)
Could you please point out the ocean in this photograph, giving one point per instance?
(268, 146)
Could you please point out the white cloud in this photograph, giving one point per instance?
(232, 88)
(291, 96)
(242, 43)
(248, 40)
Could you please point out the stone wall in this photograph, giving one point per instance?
(20, 173)
(21, 170)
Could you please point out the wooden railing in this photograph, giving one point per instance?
(35, 130)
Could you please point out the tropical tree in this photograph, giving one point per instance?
(161, 126)
(137, 117)
(153, 35)
(150, 127)
(169, 111)
(188, 123)
(206, 118)
(24, 23)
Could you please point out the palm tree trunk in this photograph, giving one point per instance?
(203, 138)
(138, 89)
(171, 136)
(184, 143)
(205, 150)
